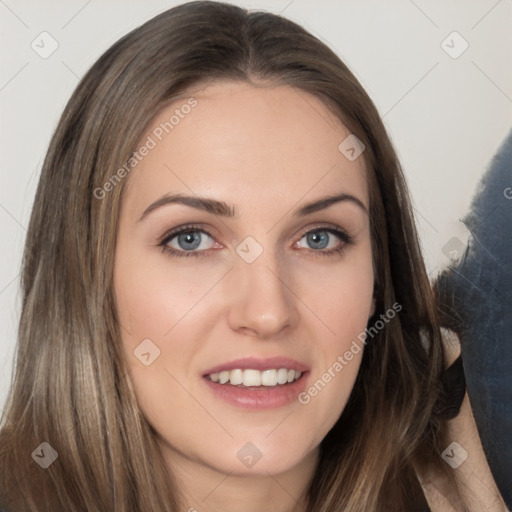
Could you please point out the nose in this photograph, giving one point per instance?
(262, 300)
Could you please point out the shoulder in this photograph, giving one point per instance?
(464, 453)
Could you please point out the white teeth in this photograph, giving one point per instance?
(269, 377)
(236, 377)
(249, 377)
(282, 376)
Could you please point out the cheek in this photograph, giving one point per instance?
(341, 296)
(156, 304)
(168, 305)
(153, 296)
(343, 303)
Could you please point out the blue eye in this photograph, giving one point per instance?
(189, 241)
(318, 239)
(322, 241)
(185, 242)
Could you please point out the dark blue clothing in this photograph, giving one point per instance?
(477, 294)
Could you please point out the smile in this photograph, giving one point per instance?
(255, 378)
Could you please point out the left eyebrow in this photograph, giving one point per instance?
(325, 202)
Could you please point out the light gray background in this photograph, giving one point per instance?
(446, 116)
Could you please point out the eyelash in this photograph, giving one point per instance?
(194, 228)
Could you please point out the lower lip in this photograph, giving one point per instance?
(261, 397)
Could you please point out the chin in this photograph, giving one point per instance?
(261, 459)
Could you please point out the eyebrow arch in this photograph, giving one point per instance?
(201, 203)
(325, 202)
(223, 209)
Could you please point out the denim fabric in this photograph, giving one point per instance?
(478, 289)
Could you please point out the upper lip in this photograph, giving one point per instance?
(254, 363)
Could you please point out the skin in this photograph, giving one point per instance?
(266, 150)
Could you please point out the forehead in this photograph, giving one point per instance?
(259, 143)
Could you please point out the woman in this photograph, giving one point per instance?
(225, 304)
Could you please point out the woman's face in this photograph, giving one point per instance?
(230, 264)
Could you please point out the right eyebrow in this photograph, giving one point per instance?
(201, 203)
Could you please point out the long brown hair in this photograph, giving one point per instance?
(70, 386)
